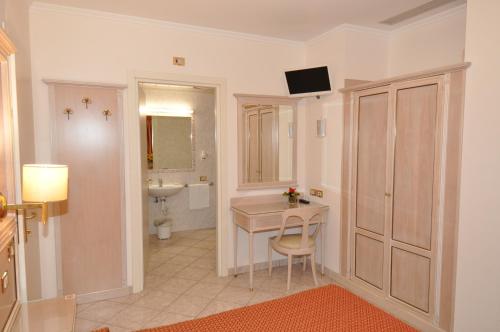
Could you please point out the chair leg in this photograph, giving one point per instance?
(313, 267)
(289, 272)
(270, 257)
(304, 264)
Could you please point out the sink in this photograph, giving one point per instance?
(167, 189)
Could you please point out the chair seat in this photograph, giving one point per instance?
(292, 241)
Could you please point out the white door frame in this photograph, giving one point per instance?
(133, 182)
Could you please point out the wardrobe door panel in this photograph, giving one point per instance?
(371, 162)
(414, 157)
(410, 278)
(369, 260)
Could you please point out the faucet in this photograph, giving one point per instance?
(160, 182)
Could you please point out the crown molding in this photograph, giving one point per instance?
(47, 7)
(41, 6)
(441, 16)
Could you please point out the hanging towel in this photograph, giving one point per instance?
(198, 196)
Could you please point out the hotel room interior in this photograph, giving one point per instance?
(322, 165)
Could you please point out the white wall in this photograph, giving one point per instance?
(430, 43)
(97, 47)
(477, 306)
(350, 53)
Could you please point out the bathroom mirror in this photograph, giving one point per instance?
(267, 141)
(170, 143)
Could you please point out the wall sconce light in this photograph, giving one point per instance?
(42, 184)
(321, 128)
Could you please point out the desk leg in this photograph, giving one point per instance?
(322, 249)
(235, 243)
(250, 258)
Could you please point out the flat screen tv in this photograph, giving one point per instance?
(308, 82)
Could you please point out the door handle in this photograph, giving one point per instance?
(387, 194)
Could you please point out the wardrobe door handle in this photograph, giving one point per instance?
(387, 194)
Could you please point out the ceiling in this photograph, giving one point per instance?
(297, 20)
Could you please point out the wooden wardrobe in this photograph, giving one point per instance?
(400, 187)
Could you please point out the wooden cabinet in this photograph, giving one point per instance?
(400, 189)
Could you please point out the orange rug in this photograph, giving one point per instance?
(328, 308)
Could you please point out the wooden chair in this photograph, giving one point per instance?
(301, 244)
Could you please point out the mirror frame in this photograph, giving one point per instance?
(193, 154)
(263, 99)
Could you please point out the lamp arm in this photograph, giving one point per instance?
(4, 208)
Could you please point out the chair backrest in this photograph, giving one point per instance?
(305, 215)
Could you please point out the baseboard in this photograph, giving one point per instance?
(395, 310)
(103, 295)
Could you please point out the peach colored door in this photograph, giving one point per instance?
(91, 230)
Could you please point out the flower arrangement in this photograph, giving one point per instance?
(292, 195)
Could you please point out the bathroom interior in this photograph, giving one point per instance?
(179, 129)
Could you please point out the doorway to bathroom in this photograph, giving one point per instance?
(180, 156)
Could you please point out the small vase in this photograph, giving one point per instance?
(292, 199)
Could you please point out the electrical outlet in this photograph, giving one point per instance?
(316, 192)
(203, 178)
(179, 61)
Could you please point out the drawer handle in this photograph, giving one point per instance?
(5, 281)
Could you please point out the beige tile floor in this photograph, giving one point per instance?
(181, 284)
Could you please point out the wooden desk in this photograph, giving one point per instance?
(263, 214)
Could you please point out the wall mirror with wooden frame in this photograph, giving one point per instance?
(267, 142)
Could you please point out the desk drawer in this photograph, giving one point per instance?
(8, 288)
(273, 222)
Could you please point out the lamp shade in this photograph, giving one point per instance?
(45, 183)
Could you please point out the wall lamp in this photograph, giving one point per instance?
(42, 184)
